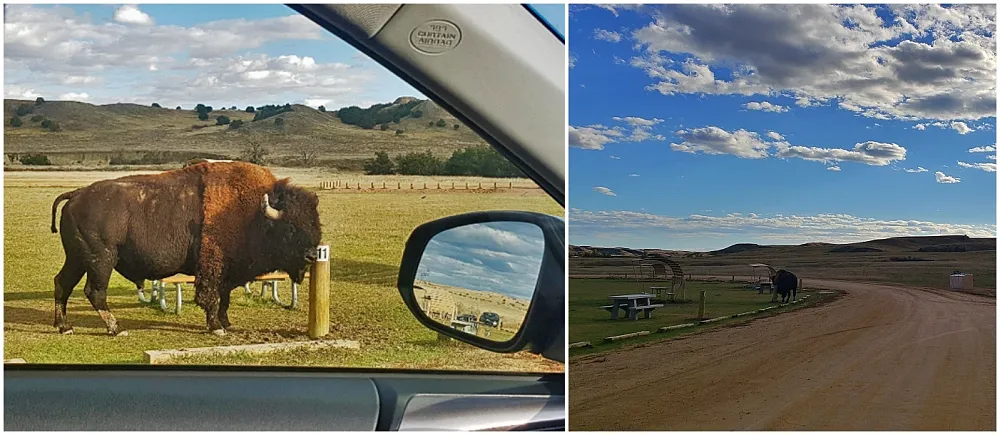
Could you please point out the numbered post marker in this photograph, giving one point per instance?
(323, 253)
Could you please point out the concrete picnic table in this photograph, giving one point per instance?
(632, 303)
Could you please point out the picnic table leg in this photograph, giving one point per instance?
(161, 294)
(277, 299)
(246, 289)
(614, 311)
(142, 295)
(178, 306)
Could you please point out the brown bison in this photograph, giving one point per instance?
(785, 283)
(223, 223)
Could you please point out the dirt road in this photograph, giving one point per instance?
(879, 358)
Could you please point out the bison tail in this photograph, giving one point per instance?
(55, 205)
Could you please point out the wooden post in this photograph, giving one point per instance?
(439, 185)
(510, 184)
(425, 186)
(701, 306)
(319, 294)
(398, 185)
(466, 185)
(373, 185)
(411, 186)
(480, 185)
(800, 285)
(494, 184)
(383, 185)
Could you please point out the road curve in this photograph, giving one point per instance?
(879, 358)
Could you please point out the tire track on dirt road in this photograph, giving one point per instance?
(882, 357)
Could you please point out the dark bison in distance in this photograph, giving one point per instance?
(785, 284)
(223, 223)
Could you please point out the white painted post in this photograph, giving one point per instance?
(179, 295)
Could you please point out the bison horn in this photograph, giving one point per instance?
(269, 211)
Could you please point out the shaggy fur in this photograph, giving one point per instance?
(785, 284)
(205, 220)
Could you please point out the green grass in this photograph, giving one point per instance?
(366, 232)
(589, 322)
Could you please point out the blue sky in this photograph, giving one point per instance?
(502, 257)
(699, 126)
(184, 54)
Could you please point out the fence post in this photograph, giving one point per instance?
(383, 185)
(701, 305)
(319, 294)
(466, 185)
(800, 285)
(480, 185)
(439, 185)
(494, 184)
(510, 184)
(373, 185)
(398, 185)
(425, 186)
(411, 186)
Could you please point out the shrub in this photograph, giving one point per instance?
(417, 163)
(37, 118)
(235, 124)
(178, 108)
(54, 126)
(23, 110)
(416, 114)
(203, 116)
(279, 122)
(457, 126)
(221, 120)
(322, 108)
(399, 132)
(254, 150)
(441, 123)
(430, 124)
(157, 105)
(16, 122)
(481, 161)
(250, 109)
(380, 165)
(46, 123)
(384, 127)
(264, 112)
(233, 108)
(35, 159)
(39, 101)
(376, 114)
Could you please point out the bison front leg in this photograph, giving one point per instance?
(206, 295)
(224, 307)
(96, 289)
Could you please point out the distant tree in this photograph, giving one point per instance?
(178, 108)
(157, 105)
(399, 132)
(367, 123)
(254, 149)
(37, 118)
(233, 108)
(221, 120)
(380, 165)
(16, 121)
(416, 114)
(203, 116)
(250, 109)
(46, 123)
(416, 163)
(39, 101)
(200, 107)
(54, 126)
(208, 109)
(278, 122)
(23, 110)
(441, 123)
(457, 126)
(384, 127)
(34, 159)
(430, 124)
(480, 161)
(237, 123)
(306, 151)
(322, 108)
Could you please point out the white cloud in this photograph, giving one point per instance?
(642, 129)
(606, 35)
(919, 169)
(775, 135)
(130, 14)
(988, 167)
(610, 8)
(833, 168)
(74, 96)
(604, 191)
(572, 60)
(833, 228)
(616, 157)
(765, 106)
(714, 140)
(869, 153)
(944, 179)
(826, 53)
(920, 127)
(983, 149)
(592, 137)
(960, 127)
(633, 175)
(618, 60)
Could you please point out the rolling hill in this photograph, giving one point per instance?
(94, 134)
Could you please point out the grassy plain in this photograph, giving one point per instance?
(366, 231)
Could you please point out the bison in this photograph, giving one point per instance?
(785, 284)
(223, 223)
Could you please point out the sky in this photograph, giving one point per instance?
(695, 127)
(502, 257)
(185, 54)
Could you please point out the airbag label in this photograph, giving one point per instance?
(435, 37)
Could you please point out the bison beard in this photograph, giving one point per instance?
(785, 284)
(224, 223)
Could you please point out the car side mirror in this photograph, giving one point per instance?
(494, 279)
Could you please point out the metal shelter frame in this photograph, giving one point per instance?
(659, 266)
(758, 281)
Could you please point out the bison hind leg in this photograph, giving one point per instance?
(67, 278)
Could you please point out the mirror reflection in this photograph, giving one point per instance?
(480, 278)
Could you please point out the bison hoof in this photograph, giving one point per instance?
(219, 332)
(120, 334)
(65, 331)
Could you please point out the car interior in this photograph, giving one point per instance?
(498, 68)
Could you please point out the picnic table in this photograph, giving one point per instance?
(632, 304)
(663, 290)
(269, 280)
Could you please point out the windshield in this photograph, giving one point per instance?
(552, 15)
(94, 93)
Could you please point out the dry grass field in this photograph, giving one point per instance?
(366, 231)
